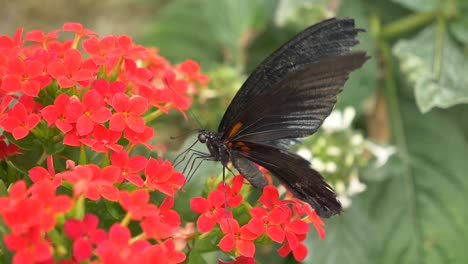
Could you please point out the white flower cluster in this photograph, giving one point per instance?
(338, 152)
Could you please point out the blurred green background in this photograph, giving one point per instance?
(411, 95)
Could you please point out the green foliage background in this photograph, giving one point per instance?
(413, 94)
(414, 209)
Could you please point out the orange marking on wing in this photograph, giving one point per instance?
(235, 129)
(242, 147)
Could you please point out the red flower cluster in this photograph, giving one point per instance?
(97, 102)
(30, 213)
(283, 221)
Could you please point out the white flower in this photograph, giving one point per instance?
(330, 166)
(305, 153)
(338, 120)
(348, 116)
(382, 153)
(318, 164)
(340, 187)
(355, 186)
(333, 151)
(357, 139)
(344, 200)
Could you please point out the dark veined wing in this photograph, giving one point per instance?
(296, 106)
(292, 170)
(327, 38)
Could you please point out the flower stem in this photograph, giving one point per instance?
(83, 158)
(42, 158)
(396, 120)
(139, 237)
(439, 46)
(153, 115)
(115, 72)
(126, 220)
(406, 24)
(105, 160)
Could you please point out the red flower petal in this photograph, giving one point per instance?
(246, 248)
(117, 122)
(256, 226)
(120, 102)
(205, 224)
(84, 125)
(34, 68)
(276, 233)
(135, 179)
(227, 243)
(83, 75)
(101, 115)
(57, 69)
(10, 123)
(300, 252)
(72, 60)
(20, 132)
(298, 227)
(65, 82)
(32, 121)
(50, 114)
(136, 123)
(12, 84)
(199, 205)
(82, 250)
(137, 163)
(138, 105)
(31, 88)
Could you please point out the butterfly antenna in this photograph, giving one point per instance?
(191, 113)
(185, 134)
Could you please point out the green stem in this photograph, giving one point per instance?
(115, 72)
(406, 24)
(439, 46)
(130, 147)
(126, 220)
(138, 237)
(102, 74)
(397, 129)
(83, 158)
(42, 158)
(105, 160)
(78, 210)
(153, 115)
(76, 40)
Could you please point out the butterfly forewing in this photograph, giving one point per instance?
(327, 38)
(298, 105)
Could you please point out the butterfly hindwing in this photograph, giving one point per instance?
(249, 171)
(295, 172)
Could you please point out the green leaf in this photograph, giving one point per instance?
(350, 238)
(437, 72)
(459, 28)
(206, 31)
(419, 5)
(420, 214)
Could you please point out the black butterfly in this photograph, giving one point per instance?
(287, 97)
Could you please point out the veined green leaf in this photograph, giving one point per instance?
(437, 72)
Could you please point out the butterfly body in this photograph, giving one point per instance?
(288, 97)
